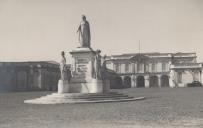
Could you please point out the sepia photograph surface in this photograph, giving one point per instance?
(101, 63)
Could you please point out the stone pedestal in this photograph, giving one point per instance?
(95, 86)
(63, 86)
(83, 80)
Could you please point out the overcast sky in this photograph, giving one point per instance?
(32, 30)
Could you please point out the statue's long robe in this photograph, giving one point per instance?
(63, 69)
(84, 34)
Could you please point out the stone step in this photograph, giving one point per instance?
(88, 96)
(85, 97)
(113, 98)
(82, 95)
(56, 98)
(76, 100)
(34, 101)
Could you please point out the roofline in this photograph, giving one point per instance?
(26, 61)
(126, 54)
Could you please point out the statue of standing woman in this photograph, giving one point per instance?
(84, 33)
(97, 65)
(63, 68)
(63, 86)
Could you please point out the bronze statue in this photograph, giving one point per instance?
(84, 33)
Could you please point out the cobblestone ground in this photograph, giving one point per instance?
(163, 107)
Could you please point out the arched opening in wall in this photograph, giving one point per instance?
(153, 81)
(116, 83)
(127, 82)
(164, 81)
(140, 81)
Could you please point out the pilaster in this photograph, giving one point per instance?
(159, 80)
(146, 81)
(133, 81)
(172, 79)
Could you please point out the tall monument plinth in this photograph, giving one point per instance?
(84, 72)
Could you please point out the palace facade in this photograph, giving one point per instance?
(29, 76)
(122, 71)
(154, 69)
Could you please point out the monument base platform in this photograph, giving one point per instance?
(73, 98)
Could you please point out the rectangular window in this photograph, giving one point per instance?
(163, 66)
(153, 67)
(127, 68)
(179, 77)
(139, 67)
(117, 68)
(146, 68)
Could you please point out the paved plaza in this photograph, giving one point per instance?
(163, 107)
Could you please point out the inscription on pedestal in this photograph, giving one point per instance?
(82, 70)
(82, 66)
